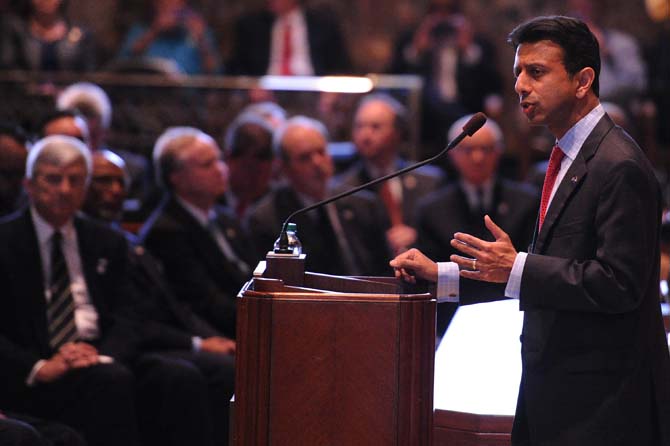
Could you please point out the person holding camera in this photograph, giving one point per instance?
(458, 66)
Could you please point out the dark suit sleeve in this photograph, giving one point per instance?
(625, 232)
(191, 282)
(119, 322)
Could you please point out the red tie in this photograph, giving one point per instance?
(391, 203)
(287, 51)
(549, 180)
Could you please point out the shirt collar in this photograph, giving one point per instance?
(574, 138)
(45, 231)
(203, 217)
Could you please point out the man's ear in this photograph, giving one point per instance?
(584, 78)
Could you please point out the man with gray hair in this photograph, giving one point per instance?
(63, 337)
(380, 126)
(342, 237)
(479, 190)
(94, 105)
(205, 252)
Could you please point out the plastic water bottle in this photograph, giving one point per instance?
(294, 245)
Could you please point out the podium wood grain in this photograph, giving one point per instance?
(320, 367)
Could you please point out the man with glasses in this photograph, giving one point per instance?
(479, 190)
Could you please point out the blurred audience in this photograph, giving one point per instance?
(47, 374)
(623, 71)
(271, 112)
(288, 39)
(478, 191)
(65, 122)
(339, 238)
(175, 34)
(659, 70)
(206, 254)
(169, 327)
(95, 107)
(247, 150)
(42, 38)
(107, 188)
(379, 130)
(458, 66)
(13, 154)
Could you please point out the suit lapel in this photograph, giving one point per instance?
(29, 266)
(572, 179)
(91, 263)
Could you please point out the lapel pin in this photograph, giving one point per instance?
(574, 179)
(101, 267)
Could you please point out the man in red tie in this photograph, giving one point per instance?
(595, 360)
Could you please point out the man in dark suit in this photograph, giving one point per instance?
(340, 238)
(286, 39)
(380, 126)
(595, 359)
(65, 362)
(479, 191)
(169, 327)
(206, 254)
(68, 328)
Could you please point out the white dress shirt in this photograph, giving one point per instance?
(301, 62)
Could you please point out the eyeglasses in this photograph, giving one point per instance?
(469, 150)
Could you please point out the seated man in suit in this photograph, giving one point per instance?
(205, 252)
(68, 329)
(378, 132)
(287, 39)
(479, 191)
(13, 154)
(248, 148)
(169, 327)
(342, 237)
(63, 338)
(96, 108)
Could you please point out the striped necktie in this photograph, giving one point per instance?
(60, 309)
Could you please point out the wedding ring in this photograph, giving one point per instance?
(474, 264)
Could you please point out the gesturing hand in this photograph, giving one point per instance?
(486, 261)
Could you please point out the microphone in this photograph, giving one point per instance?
(469, 129)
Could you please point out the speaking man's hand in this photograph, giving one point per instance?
(486, 261)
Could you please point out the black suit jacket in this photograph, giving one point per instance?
(199, 272)
(595, 359)
(446, 211)
(23, 323)
(415, 184)
(253, 36)
(167, 322)
(360, 217)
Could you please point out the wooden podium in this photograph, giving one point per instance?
(330, 360)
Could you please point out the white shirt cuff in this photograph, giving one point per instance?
(197, 343)
(513, 288)
(30, 381)
(447, 282)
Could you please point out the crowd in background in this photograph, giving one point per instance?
(161, 244)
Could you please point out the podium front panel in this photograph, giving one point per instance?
(333, 371)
